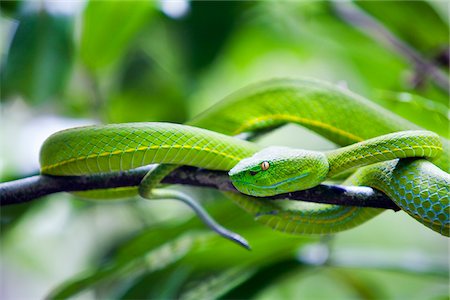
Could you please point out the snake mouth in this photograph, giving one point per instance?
(274, 185)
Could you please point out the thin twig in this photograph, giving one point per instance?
(369, 25)
(28, 189)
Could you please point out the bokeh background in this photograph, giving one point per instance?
(70, 63)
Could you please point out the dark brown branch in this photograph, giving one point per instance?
(28, 189)
(353, 15)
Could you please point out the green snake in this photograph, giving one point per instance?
(419, 187)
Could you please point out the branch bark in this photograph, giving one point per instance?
(31, 188)
(351, 14)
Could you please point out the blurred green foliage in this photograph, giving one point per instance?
(416, 34)
(124, 61)
(40, 57)
(122, 20)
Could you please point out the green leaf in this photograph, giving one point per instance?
(40, 57)
(163, 284)
(13, 214)
(217, 285)
(422, 111)
(265, 276)
(220, 18)
(156, 259)
(109, 27)
(10, 7)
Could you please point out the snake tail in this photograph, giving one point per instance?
(202, 214)
(147, 189)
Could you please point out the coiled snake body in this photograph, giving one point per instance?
(419, 187)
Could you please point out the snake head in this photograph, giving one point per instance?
(277, 170)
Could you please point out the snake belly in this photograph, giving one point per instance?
(343, 118)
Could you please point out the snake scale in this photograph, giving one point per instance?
(420, 187)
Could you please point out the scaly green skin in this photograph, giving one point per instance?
(337, 114)
(417, 186)
(425, 197)
(118, 147)
(288, 170)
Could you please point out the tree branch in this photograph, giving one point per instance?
(28, 189)
(353, 15)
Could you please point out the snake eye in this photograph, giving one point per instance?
(265, 165)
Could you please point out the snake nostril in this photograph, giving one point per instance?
(253, 173)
